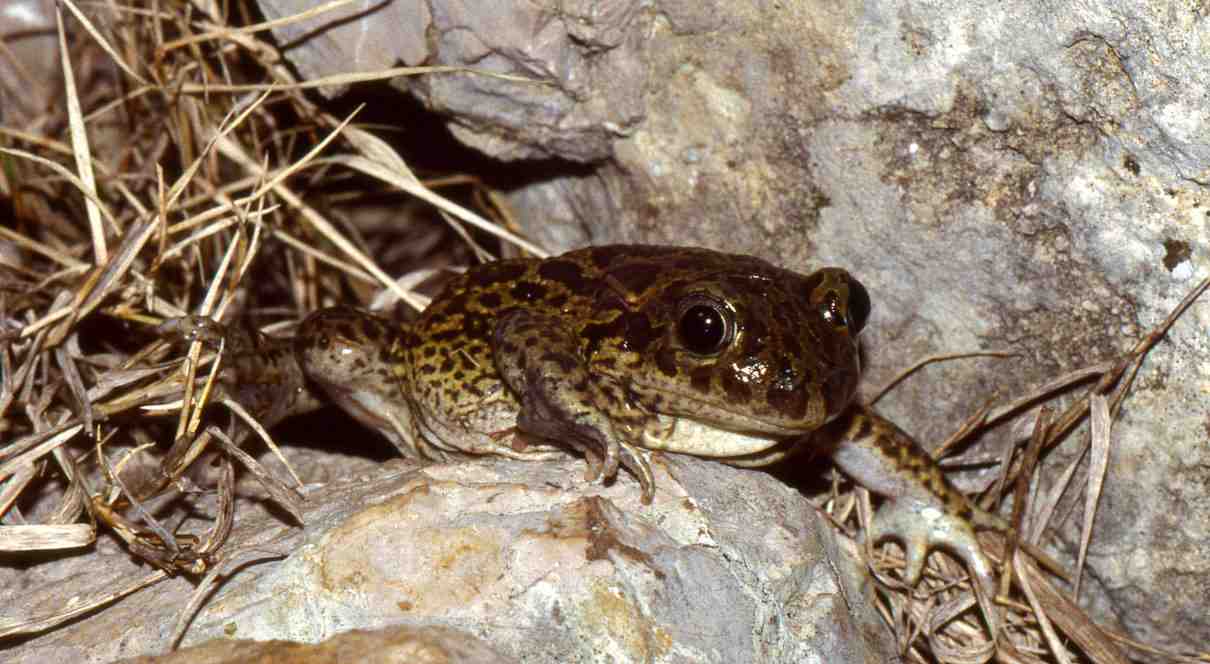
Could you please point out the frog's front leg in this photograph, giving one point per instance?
(923, 509)
(561, 400)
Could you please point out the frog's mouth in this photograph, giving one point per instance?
(704, 427)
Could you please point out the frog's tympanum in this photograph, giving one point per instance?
(617, 352)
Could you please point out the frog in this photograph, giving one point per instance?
(620, 353)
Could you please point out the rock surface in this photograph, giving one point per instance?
(29, 72)
(390, 645)
(727, 565)
(582, 60)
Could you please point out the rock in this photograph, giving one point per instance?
(727, 565)
(29, 73)
(389, 645)
(582, 61)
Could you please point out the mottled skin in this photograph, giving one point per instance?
(618, 351)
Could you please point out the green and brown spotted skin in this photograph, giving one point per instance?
(588, 349)
(613, 311)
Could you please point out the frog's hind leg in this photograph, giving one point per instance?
(262, 376)
(923, 510)
(561, 400)
(266, 378)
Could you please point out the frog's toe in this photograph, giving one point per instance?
(594, 462)
(608, 468)
(190, 328)
(602, 457)
(638, 461)
(596, 465)
(921, 527)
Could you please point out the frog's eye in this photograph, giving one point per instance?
(704, 327)
(851, 311)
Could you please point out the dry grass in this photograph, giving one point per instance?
(180, 171)
(185, 173)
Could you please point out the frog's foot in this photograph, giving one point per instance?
(595, 462)
(191, 327)
(607, 442)
(605, 468)
(418, 446)
(921, 527)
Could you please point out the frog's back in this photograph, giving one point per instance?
(454, 379)
(451, 344)
(582, 287)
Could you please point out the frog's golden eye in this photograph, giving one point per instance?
(704, 326)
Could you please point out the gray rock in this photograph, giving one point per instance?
(389, 645)
(362, 36)
(581, 61)
(29, 73)
(726, 565)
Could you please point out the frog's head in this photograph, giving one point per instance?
(759, 349)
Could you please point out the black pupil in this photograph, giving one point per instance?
(859, 306)
(703, 329)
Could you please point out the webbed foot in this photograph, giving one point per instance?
(921, 527)
(923, 510)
